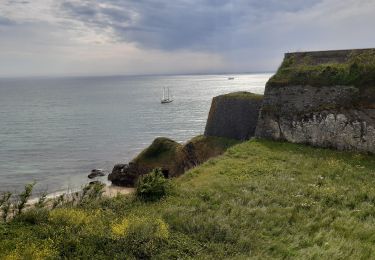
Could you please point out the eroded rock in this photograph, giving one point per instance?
(96, 173)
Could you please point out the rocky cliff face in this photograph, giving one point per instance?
(171, 157)
(325, 99)
(234, 115)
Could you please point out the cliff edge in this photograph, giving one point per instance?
(171, 157)
(325, 99)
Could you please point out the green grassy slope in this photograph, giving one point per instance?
(260, 200)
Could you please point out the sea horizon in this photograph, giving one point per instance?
(60, 129)
(4, 77)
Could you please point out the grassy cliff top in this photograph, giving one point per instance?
(166, 150)
(260, 200)
(348, 67)
(166, 153)
(242, 95)
(161, 150)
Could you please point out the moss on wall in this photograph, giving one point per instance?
(242, 95)
(332, 68)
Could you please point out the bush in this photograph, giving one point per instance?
(34, 216)
(24, 197)
(143, 236)
(42, 200)
(5, 205)
(91, 192)
(152, 186)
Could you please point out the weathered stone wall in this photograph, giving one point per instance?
(336, 116)
(320, 116)
(234, 115)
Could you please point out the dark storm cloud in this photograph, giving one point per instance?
(83, 11)
(196, 24)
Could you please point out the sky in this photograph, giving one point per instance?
(135, 37)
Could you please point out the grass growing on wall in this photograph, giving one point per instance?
(242, 95)
(260, 199)
(358, 71)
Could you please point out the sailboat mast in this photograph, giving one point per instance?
(168, 93)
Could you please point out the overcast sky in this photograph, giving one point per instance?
(108, 37)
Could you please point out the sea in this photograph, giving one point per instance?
(54, 131)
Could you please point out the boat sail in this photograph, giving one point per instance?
(166, 98)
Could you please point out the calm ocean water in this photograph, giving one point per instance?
(54, 131)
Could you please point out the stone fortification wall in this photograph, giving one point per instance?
(321, 112)
(234, 115)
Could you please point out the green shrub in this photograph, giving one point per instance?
(58, 201)
(5, 205)
(42, 200)
(91, 192)
(33, 216)
(152, 186)
(24, 197)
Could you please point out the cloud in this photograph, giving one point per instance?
(169, 25)
(130, 37)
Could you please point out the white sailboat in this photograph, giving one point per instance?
(166, 98)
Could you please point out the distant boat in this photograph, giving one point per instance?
(166, 99)
(230, 78)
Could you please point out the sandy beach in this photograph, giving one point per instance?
(112, 191)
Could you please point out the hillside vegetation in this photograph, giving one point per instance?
(260, 200)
